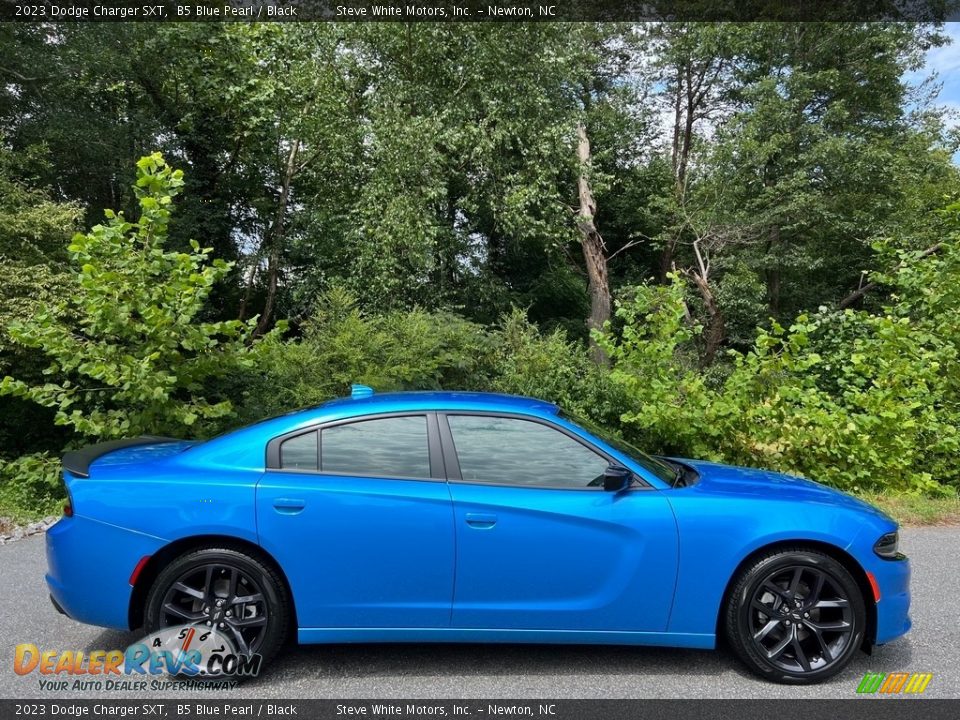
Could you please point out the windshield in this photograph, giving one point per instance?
(659, 468)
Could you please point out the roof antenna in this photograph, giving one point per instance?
(358, 392)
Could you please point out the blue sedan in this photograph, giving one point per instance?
(470, 517)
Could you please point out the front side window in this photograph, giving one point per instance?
(382, 447)
(512, 451)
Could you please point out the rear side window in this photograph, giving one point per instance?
(300, 452)
(383, 447)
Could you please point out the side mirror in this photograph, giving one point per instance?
(616, 478)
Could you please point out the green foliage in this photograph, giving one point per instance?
(125, 348)
(340, 345)
(418, 350)
(30, 487)
(548, 365)
(858, 400)
(398, 184)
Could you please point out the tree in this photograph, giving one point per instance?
(814, 159)
(126, 352)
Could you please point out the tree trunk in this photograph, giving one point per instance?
(716, 327)
(594, 251)
(864, 289)
(248, 289)
(274, 238)
(773, 272)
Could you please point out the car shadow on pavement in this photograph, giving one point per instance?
(443, 659)
(358, 661)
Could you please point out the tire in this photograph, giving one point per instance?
(795, 616)
(221, 575)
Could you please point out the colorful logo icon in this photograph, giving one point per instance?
(894, 683)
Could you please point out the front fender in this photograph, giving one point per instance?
(718, 534)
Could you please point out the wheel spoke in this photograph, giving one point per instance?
(777, 650)
(795, 582)
(180, 612)
(838, 603)
(240, 641)
(777, 591)
(835, 626)
(232, 590)
(824, 648)
(187, 590)
(817, 589)
(250, 622)
(246, 599)
(208, 585)
(765, 609)
(765, 630)
(801, 656)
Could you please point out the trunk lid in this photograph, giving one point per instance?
(122, 452)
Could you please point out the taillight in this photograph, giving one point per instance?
(68, 506)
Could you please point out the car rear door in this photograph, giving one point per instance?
(538, 546)
(359, 517)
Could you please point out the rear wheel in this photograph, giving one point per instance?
(227, 589)
(795, 616)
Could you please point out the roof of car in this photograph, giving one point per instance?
(438, 400)
(244, 446)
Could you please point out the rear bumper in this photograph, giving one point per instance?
(89, 564)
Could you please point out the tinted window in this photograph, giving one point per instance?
(656, 467)
(299, 453)
(509, 451)
(386, 447)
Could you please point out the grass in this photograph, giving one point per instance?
(17, 508)
(918, 509)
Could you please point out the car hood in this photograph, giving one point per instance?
(766, 484)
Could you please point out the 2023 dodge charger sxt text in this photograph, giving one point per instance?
(470, 517)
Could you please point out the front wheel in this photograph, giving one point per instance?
(225, 589)
(795, 616)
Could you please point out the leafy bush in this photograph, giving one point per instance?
(418, 350)
(341, 344)
(862, 401)
(30, 487)
(549, 366)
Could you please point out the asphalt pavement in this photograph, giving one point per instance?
(503, 671)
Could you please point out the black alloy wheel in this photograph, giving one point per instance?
(796, 616)
(224, 589)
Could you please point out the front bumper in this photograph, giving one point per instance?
(893, 608)
(89, 564)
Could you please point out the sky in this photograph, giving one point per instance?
(945, 62)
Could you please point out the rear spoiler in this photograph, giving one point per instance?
(79, 461)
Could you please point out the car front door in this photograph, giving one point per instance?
(540, 544)
(359, 517)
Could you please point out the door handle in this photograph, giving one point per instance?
(289, 506)
(481, 521)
